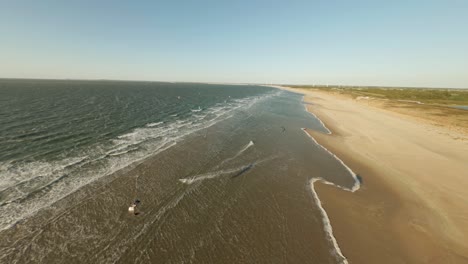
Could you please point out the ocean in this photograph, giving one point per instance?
(222, 172)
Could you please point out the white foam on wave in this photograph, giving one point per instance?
(13, 175)
(316, 117)
(326, 222)
(154, 124)
(325, 219)
(323, 125)
(61, 178)
(57, 189)
(128, 135)
(123, 152)
(250, 144)
(215, 174)
(356, 181)
(246, 147)
(211, 175)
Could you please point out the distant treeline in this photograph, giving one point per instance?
(426, 95)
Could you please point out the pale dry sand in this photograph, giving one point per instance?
(413, 204)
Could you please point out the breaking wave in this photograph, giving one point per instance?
(28, 186)
(325, 219)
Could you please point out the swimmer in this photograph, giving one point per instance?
(133, 207)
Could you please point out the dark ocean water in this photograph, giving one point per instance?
(222, 172)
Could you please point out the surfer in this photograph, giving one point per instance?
(284, 129)
(133, 207)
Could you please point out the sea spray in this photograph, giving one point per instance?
(250, 144)
(245, 148)
(103, 158)
(210, 175)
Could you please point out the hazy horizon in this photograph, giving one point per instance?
(363, 43)
(232, 83)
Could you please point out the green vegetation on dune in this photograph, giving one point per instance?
(424, 95)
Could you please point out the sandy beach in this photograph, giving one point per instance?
(412, 206)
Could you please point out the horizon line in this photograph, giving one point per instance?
(236, 83)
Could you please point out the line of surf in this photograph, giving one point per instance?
(325, 219)
(326, 222)
(321, 123)
(351, 172)
(316, 117)
(282, 88)
(154, 124)
(149, 138)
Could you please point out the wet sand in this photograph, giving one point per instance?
(412, 206)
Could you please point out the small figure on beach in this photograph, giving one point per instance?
(284, 129)
(133, 207)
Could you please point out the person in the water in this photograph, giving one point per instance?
(133, 208)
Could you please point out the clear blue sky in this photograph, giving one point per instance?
(401, 43)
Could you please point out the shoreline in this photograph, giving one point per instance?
(404, 211)
(325, 218)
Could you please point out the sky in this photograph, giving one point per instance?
(372, 42)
